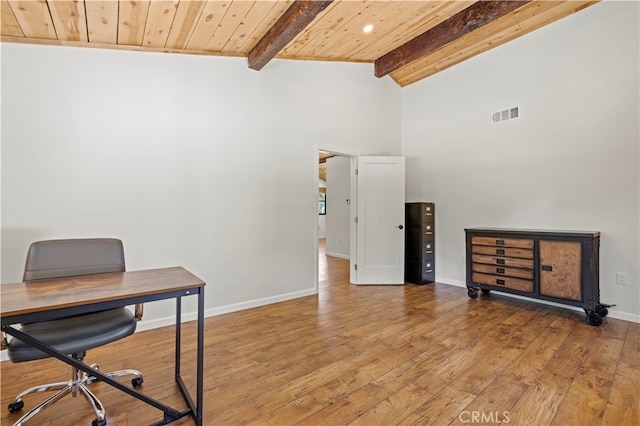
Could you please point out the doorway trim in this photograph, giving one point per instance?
(353, 156)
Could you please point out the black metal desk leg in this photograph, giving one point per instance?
(200, 371)
(178, 334)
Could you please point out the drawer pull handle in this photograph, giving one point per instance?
(547, 268)
(500, 282)
(499, 251)
(500, 261)
(500, 242)
(500, 270)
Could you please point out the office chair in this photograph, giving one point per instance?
(76, 334)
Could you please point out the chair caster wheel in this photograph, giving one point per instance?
(136, 382)
(97, 422)
(16, 406)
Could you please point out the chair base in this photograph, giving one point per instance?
(76, 386)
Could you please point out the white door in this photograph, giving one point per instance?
(380, 221)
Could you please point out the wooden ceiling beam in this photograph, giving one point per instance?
(291, 23)
(323, 158)
(475, 16)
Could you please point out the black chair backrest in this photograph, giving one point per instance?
(71, 257)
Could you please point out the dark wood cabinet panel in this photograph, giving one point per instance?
(558, 266)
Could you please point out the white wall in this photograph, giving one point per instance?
(191, 160)
(199, 161)
(338, 209)
(571, 161)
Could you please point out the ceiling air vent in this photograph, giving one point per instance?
(505, 114)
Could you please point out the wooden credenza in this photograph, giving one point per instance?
(558, 266)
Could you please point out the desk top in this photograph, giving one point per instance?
(58, 293)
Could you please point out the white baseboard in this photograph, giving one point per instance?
(339, 255)
(192, 316)
(613, 313)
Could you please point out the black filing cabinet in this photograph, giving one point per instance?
(420, 243)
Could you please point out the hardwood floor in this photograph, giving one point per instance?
(374, 355)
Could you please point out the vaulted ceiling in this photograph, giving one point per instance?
(408, 40)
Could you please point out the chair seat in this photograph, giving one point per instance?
(74, 334)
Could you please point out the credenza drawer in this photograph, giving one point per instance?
(503, 242)
(503, 261)
(503, 251)
(501, 270)
(501, 281)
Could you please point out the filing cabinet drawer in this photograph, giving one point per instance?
(429, 248)
(428, 265)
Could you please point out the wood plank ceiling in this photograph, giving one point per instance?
(409, 40)
(322, 165)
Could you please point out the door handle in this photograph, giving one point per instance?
(400, 227)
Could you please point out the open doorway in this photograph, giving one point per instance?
(334, 208)
(373, 235)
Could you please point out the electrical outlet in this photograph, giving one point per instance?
(622, 278)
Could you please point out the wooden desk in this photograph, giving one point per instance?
(61, 297)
